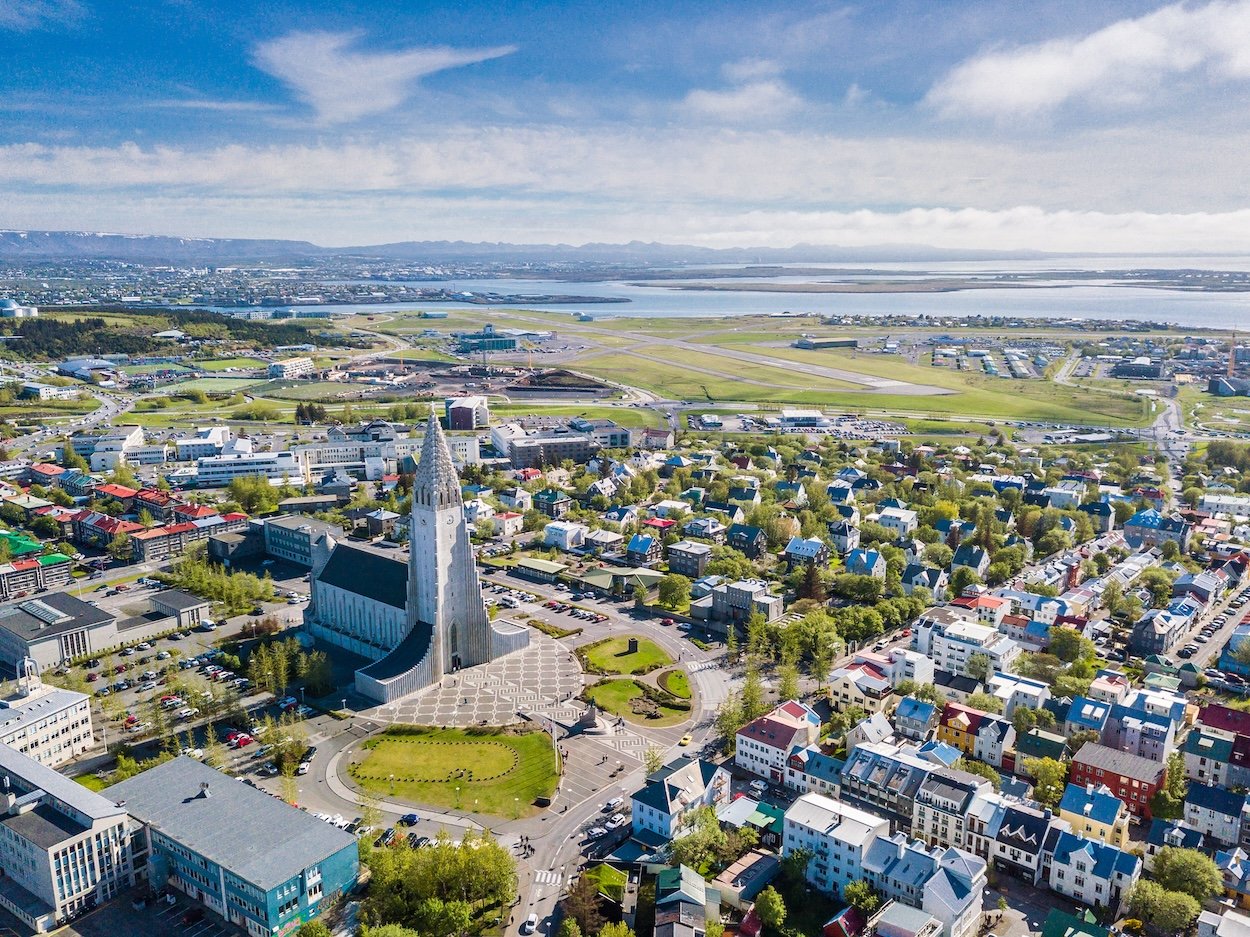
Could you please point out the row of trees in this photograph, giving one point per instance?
(273, 665)
(235, 591)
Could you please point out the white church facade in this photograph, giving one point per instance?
(416, 620)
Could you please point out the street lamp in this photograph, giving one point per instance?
(516, 807)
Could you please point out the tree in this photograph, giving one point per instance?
(729, 720)
(979, 667)
(961, 578)
(980, 769)
(674, 591)
(1169, 801)
(119, 547)
(1188, 871)
(652, 759)
(861, 896)
(569, 928)
(616, 929)
(1069, 645)
(314, 929)
(753, 705)
(1167, 912)
(788, 682)
(1050, 777)
(985, 702)
(771, 908)
(731, 642)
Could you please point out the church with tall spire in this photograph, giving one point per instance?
(418, 620)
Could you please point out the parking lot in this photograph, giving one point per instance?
(121, 919)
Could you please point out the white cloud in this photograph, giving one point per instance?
(1127, 63)
(343, 84)
(208, 104)
(25, 15)
(716, 186)
(745, 70)
(755, 100)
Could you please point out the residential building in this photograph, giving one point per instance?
(943, 803)
(1150, 528)
(64, 849)
(34, 574)
(952, 640)
(1132, 778)
(1216, 813)
(763, 745)
(689, 558)
(836, 835)
(1021, 838)
(843, 535)
(809, 551)
(565, 535)
(291, 368)
(861, 562)
(553, 502)
(1095, 813)
(643, 550)
(901, 521)
(1094, 873)
(884, 778)
(1013, 691)
(745, 538)
(984, 736)
(263, 865)
(914, 718)
(472, 412)
(811, 769)
(859, 684)
(946, 885)
(668, 796)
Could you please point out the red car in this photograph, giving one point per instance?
(120, 668)
(92, 677)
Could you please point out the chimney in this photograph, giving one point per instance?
(204, 791)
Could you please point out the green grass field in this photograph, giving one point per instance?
(676, 682)
(217, 385)
(487, 771)
(220, 364)
(613, 656)
(151, 368)
(310, 390)
(614, 696)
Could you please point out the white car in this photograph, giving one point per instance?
(595, 832)
(189, 713)
(530, 924)
(196, 753)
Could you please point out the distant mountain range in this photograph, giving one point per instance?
(86, 245)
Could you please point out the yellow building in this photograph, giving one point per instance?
(1095, 813)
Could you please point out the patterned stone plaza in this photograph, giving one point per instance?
(540, 678)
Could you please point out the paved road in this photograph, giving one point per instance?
(597, 768)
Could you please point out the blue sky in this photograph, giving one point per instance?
(1116, 126)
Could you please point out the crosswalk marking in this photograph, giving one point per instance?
(547, 877)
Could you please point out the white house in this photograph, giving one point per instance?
(565, 535)
(662, 804)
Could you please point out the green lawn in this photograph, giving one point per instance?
(614, 696)
(496, 772)
(151, 368)
(220, 364)
(91, 782)
(613, 656)
(312, 390)
(676, 682)
(216, 385)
